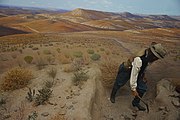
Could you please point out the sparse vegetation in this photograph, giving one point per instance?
(58, 50)
(101, 49)
(28, 59)
(35, 48)
(79, 76)
(16, 78)
(33, 116)
(14, 56)
(68, 68)
(52, 73)
(30, 95)
(47, 52)
(77, 64)
(78, 54)
(40, 63)
(49, 83)
(65, 59)
(50, 59)
(43, 96)
(90, 51)
(95, 57)
(109, 70)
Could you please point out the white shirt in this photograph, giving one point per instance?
(136, 65)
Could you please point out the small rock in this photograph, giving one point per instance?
(6, 116)
(62, 112)
(74, 102)
(63, 105)
(162, 108)
(76, 93)
(175, 102)
(59, 96)
(45, 114)
(69, 107)
(165, 112)
(134, 114)
(55, 104)
(68, 97)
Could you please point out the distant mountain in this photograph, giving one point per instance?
(161, 17)
(14, 10)
(89, 14)
(129, 15)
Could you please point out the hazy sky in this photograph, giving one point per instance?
(170, 7)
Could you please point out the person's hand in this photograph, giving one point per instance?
(135, 93)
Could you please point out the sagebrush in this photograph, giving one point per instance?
(109, 69)
(16, 78)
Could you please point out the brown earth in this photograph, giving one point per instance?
(60, 38)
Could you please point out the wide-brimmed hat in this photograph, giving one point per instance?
(158, 50)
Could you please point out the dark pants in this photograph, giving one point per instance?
(121, 79)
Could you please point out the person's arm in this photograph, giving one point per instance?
(136, 65)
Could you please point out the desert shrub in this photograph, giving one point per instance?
(30, 46)
(109, 71)
(50, 44)
(101, 49)
(38, 52)
(40, 63)
(43, 96)
(3, 58)
(28, 59)
(52, 73)
(50, 59)
(79, 76)
(95, 57)
(14, 56)
(47, 52)
(58, 50)
(68, 68)
(33, 116)
(77, 64)
(21, 51)
(86, 60)
(78, 54)
(107, 52)
(49, 83)
(30, 95)
(65, 59)
(2, 102)
(35, 48)
(90, 51)
(16, 78)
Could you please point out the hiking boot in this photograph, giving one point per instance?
(113, 95)
(141, 108)
(112, 99)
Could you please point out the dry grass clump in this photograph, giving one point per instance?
(86, 60)
(79, 77)
(28, 59)
(90, 51)
(65, 59)
(40, 63)
(16, 78)
(58, 117)
(68, 68)
(78, 54)
(109, 70)
(95, 57)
